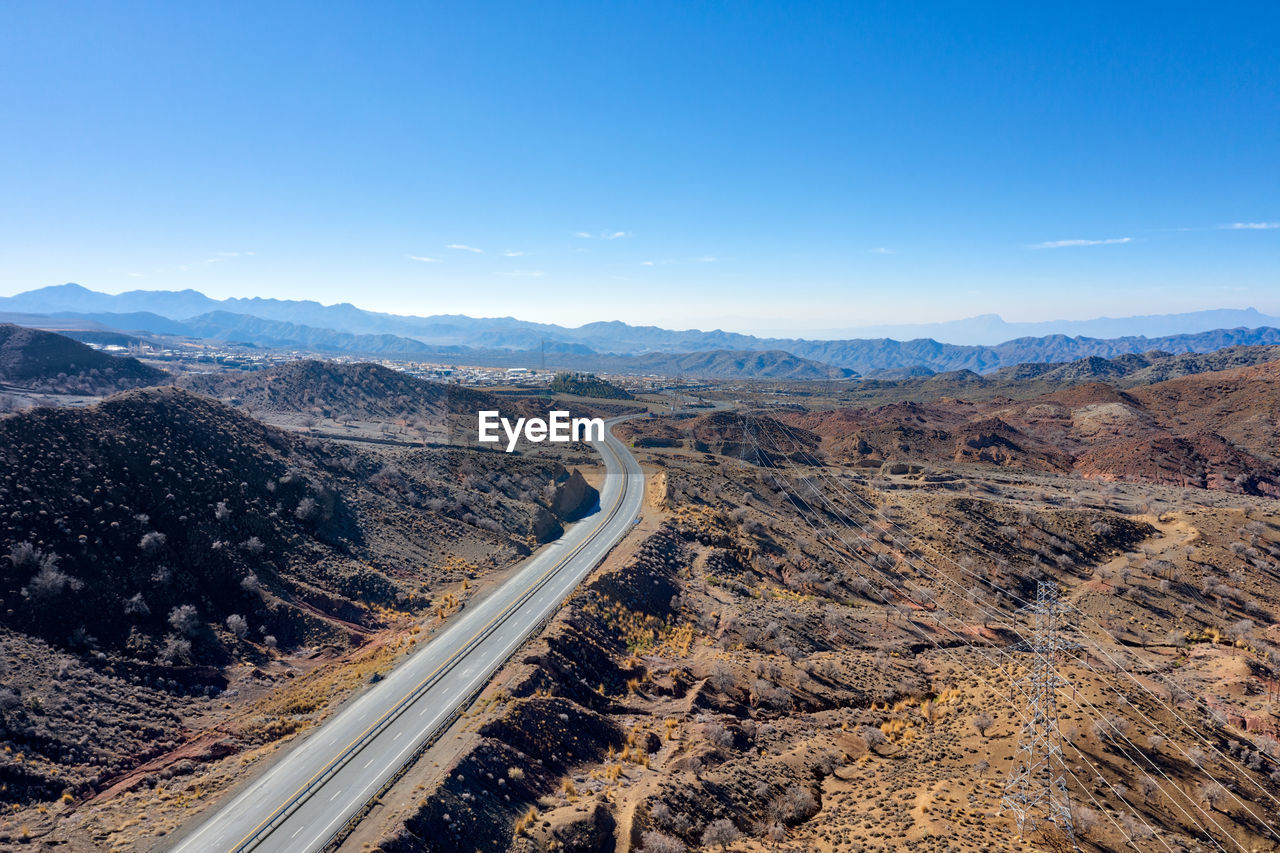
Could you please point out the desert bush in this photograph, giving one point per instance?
(721, 679)
(797, 804)
(176, 650)
(1111, 728)
(828, 762)
(719, 736)
(770, 695)
(185, 619)
(1212, 794)
(720, 833)
(307, 509)
(1241, 630)
(49, 581)
(1148, 786)
(660, 842)
(1135, 828)
(1085, 819)
(24, 556)
(136, 606)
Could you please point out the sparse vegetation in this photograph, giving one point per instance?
(808, 643)
(588, 385)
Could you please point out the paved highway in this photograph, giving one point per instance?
(304, 798)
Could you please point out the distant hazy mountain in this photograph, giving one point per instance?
(987, 329)
(612, 346)
(1028, 380)
(611, 336)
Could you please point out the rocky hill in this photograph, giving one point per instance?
(329, 389)
(767, 672)
(154, 539)
(45, 361)
(1030, 379)
(1216, 430)
(751, 436)
(588, 385)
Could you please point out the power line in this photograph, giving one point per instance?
(1103, 654)
(946, 652)
(1036, 789)
(906, 549)
(1119, 735)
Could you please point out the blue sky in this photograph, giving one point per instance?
(760, 167)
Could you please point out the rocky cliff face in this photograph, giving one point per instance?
(574, 498)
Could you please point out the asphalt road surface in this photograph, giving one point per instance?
(311, 793)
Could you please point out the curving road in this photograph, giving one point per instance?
(310, 794)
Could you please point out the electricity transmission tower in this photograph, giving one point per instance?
(1036, 789)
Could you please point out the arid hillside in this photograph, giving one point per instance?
(364, 401)
(329, 389)
(805, 656)
(162, 547)
(1216, 430)
(1034, 378)
(725, 433)
(36, 360)
(815, 639)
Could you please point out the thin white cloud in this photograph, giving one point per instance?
(1068, 244)
(227, 254)
(881, 250)
(523, 273)
(1251, 226)
(582, 235)
(423, 258)
(706, 259)
(615, 235)
(647, 263)
(135, 275)
(464, 248)
(511, 253)
(213, 260)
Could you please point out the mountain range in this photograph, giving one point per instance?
(989, 329)
(610, 346)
